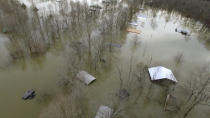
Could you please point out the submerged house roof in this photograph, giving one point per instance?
(85, 77)
(159, 73)
(104, 112)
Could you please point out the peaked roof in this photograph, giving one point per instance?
(160, 72)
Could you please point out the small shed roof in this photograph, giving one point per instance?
(85, 77)
(104, 112)
(159, 72)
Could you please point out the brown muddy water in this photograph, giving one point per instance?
(158, 44)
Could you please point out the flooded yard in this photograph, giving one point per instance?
(120, 63)
(39, 73)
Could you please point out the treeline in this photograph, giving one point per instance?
(196, 9)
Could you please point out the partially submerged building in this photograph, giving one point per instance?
(104, 112)
(85, 77)
(161, 73)
(165, 77)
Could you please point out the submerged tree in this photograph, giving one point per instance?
(199, 92)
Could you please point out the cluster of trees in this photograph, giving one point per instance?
(88, 33)
(196, 9)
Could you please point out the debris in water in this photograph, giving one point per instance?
(160, 73)
(23, 6)
(141, 8)
(123, 93)
(114, 45)
(166, 102)
(35, 9)
(109, 2)
(6, 30)
(134, 24)
(85, 77)
(95, 7)
(92, 10)
(141, 17)
(182, 31)
(102, 60)
(170, 103)
(106, 2)
(149, 2)
(30, 94)
(104, 112)
(59, 1)
(63, 82)
(133, 30)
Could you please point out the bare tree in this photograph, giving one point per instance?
(199, 89)
(72, 105)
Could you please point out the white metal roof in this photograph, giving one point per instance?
(159, 72)
(85, 77)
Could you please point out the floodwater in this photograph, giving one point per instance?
(158, 44)
(39, 73)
